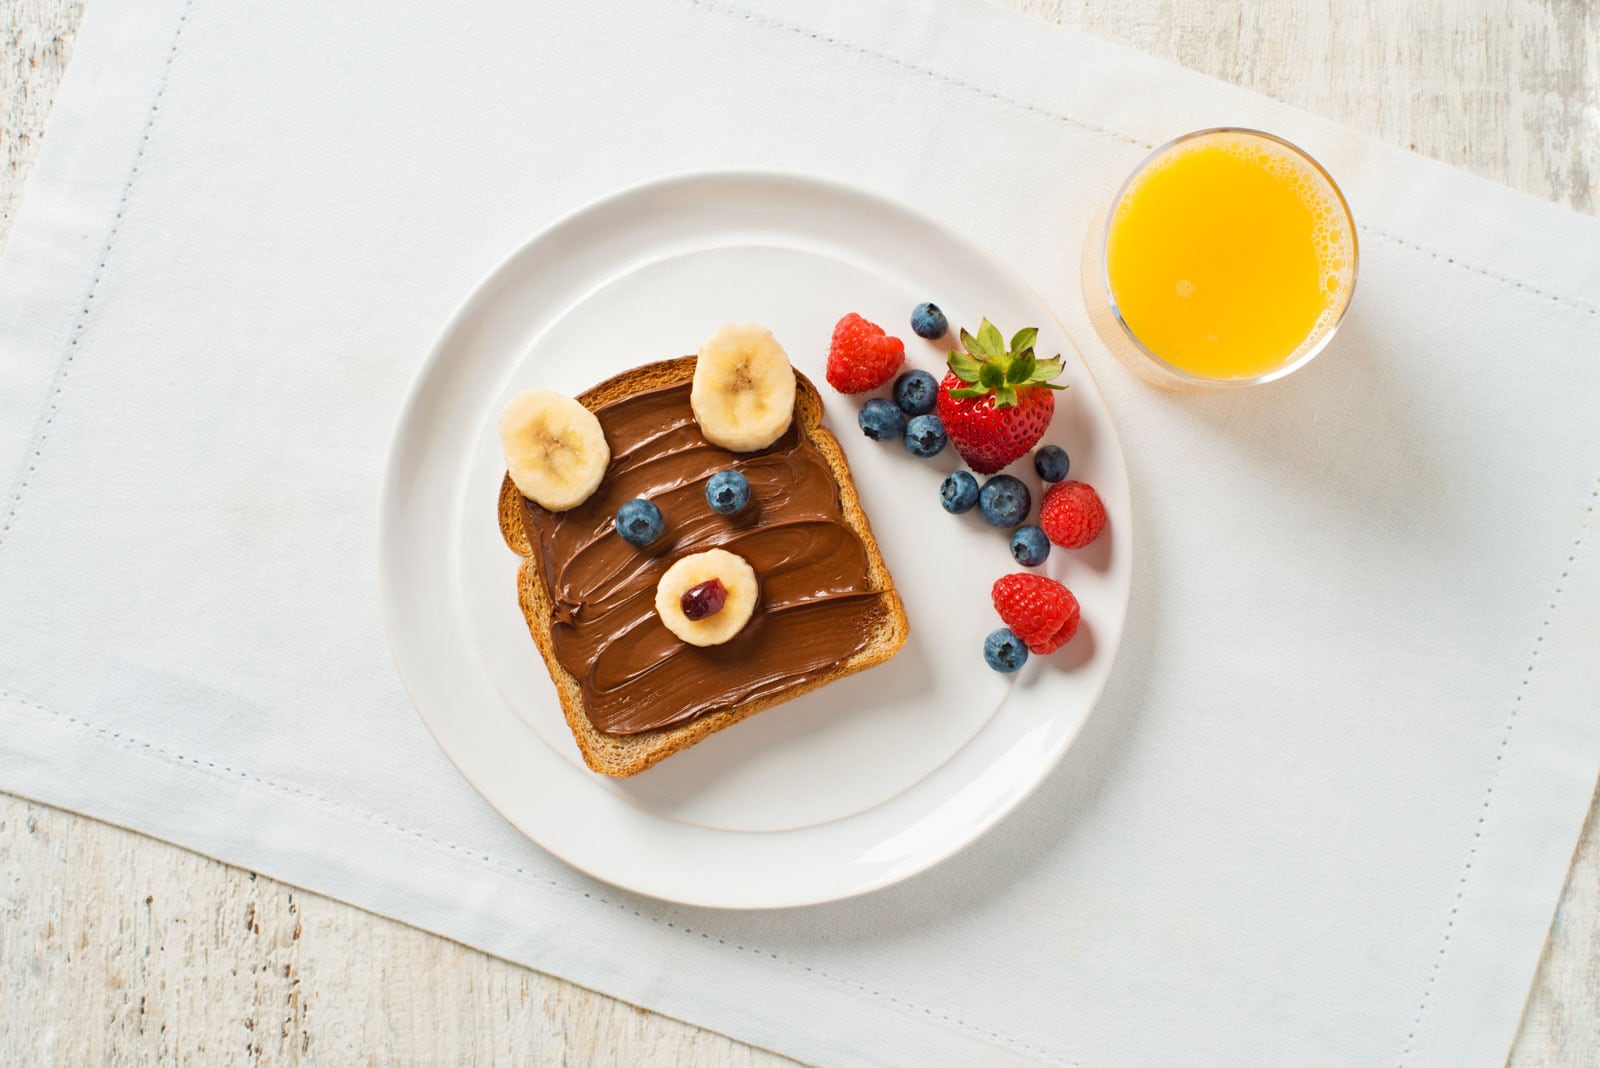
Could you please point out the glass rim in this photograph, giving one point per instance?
(1277, 372)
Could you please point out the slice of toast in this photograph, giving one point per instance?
(622, 755)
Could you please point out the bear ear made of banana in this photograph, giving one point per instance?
(743, 392)
(742, 398)
(555, 450)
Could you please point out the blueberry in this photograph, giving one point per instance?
(1029, 546)
(1051, 463)
(1005, 501)
(958, 492)
(929, 322)
(639, 522)
(880, 420)
(727, 492)
(915, 392)
(925, 436)
(1004, 651)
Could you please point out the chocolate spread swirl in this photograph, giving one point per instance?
(816, 608)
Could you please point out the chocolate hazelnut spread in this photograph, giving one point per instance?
(816, 608)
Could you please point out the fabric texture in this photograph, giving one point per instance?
(1324, 810)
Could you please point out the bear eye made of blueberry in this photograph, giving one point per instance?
(727, 492)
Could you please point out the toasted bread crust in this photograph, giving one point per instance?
(622, 755)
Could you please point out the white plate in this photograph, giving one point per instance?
(853, 787)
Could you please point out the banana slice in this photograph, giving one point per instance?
(555, 449)
(743, 393)
(738, 579)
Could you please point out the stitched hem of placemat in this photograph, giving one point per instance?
(945, 78)
(224, 771)
(1494, 776)
(59, 380)
(761, 19)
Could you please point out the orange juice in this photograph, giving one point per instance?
(1229, 254)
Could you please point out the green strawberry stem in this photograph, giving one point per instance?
(988, 365)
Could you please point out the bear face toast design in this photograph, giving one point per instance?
(631, 689)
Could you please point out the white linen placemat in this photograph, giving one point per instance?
(1325, 808)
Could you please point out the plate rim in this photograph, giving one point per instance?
(408, 414)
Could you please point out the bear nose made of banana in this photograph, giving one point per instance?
(737, 578)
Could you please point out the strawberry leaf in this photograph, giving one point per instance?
(1021, 369)
(965, 367)
(1044, 370)
(990, 341)
(989, 367)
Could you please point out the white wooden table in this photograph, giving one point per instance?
(117, 947)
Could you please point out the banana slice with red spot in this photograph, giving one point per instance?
(707, 597)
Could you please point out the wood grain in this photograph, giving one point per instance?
(115, 947)
(35, 40)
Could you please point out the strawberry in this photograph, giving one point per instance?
(1041, 611)
(862, 356)
(996, 401)
(1072, 514)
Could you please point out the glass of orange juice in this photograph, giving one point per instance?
(1227, 258)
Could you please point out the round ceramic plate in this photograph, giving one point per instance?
(849, 788)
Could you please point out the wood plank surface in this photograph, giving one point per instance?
(118, 948)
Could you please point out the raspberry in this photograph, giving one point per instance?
(1042, 612)
(1072, 514)
(862, 357)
